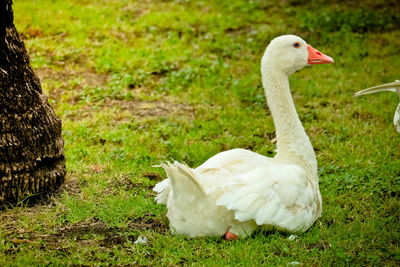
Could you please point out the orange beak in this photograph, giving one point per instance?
(316, 57)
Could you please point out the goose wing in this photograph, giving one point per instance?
(273, 195)
(379, 88)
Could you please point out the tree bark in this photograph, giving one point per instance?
(32, 160)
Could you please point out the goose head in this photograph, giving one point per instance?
(290, 53)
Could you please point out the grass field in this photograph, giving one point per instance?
(140, 82)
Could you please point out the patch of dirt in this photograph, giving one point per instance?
(31, 32)
(148, 222)
(124, 182)
(7, 221)
(241, 30)
(362, 115)
(70, 79)
(369, 4)
(90, 232)
(89, 76)
(143, 109)
(71, 82)
(152, 176)
(320, 246)
(71, 185)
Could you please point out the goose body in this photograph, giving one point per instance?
(391, 87)
(239, 191)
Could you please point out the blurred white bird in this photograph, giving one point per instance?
(392, 87)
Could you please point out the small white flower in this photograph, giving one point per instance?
(141, 240)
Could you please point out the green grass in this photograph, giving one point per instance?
(137, 83)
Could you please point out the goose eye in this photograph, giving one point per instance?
(296, 45)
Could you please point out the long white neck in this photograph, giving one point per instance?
(293, 144)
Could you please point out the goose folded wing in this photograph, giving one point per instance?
(276, 195)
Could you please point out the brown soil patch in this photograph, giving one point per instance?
(143, 109)
(31, 32)
(89, 77)
(322, 245)
(124, 182)
(60, 81)
(152, 176)
(362, 115)
(71, 185)
(72, 82)
(90, 232)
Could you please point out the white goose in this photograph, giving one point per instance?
(238, 191)
(392, 87)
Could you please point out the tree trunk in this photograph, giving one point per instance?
(32, 160)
